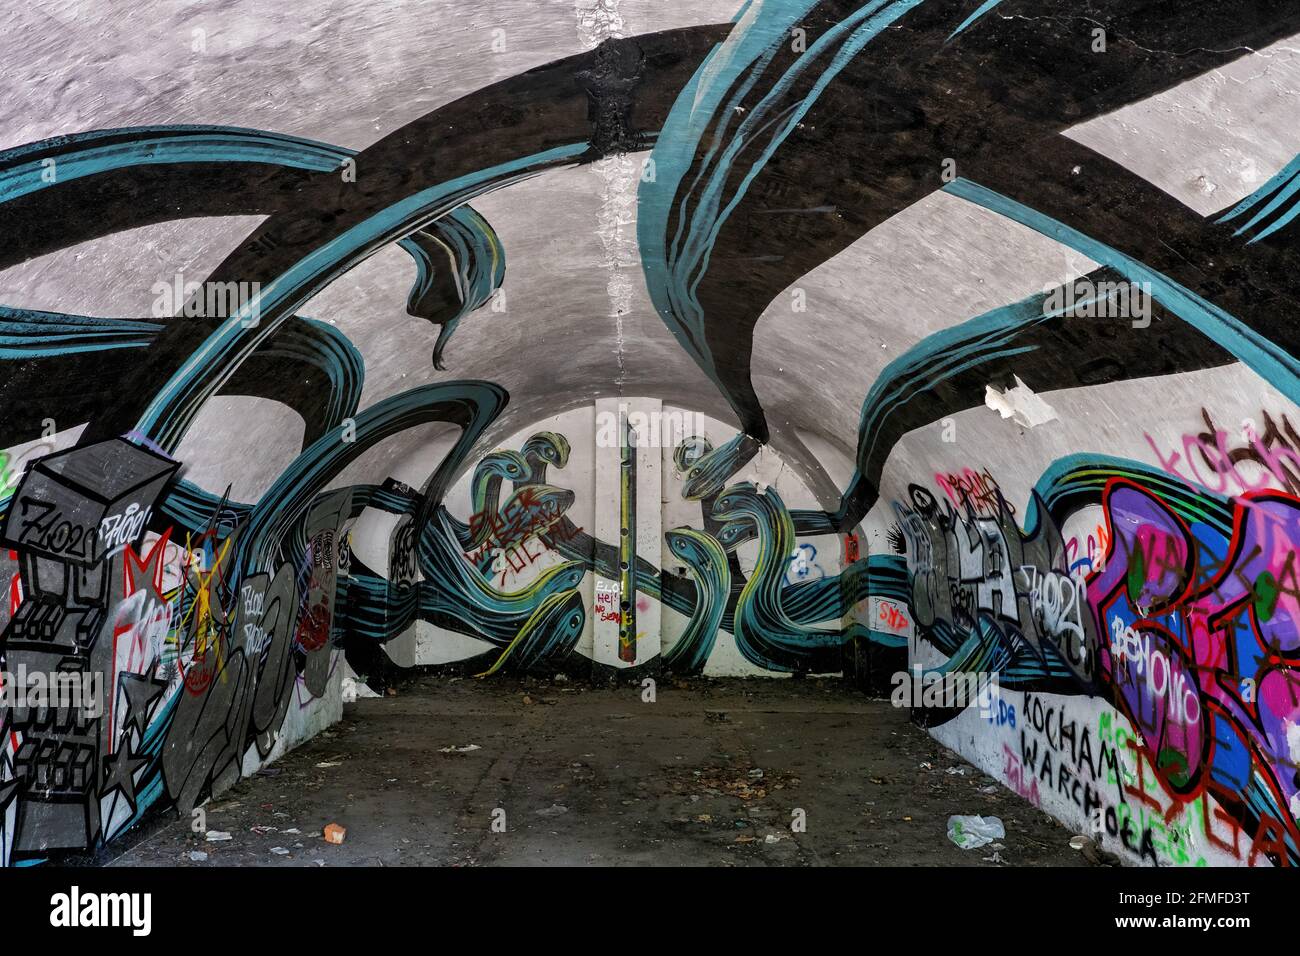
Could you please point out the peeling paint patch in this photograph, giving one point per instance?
(1019, 404)
(598, 21)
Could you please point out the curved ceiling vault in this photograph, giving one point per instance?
(812, 240)
(813, 235)
(257, 254)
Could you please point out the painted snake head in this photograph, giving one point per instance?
(737, 531)
(685, 543)
(737, 502)
(690, 451)
(709, 474)
(505, 464)
(550, 447)
(535, 509)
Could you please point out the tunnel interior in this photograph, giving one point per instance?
(943, 347)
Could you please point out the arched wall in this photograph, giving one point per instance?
(988, 302)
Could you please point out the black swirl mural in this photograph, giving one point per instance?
(208, 628)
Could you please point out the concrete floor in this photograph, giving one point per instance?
(708, 774)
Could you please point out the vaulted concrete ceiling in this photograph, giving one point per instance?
(846, 251)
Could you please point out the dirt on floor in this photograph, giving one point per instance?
(459, 772)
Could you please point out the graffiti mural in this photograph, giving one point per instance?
(502, 574)
(208, 502)
(1185, 628)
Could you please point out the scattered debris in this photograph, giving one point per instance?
(969, 832)
(279, 851)
(717, 716)
(198, 856)
(334, 833)
(217, 836)
(354, 688)
(1078, 842)
(325, 764)
(746, 783)
(554, 810)
(453, 749)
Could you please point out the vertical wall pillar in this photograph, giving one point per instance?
(628, 513)
(403, 575)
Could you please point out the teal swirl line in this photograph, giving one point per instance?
(547, 637)
(712, 572)
(471, 404)
(764, 632)
(454, 594)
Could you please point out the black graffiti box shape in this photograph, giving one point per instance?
(77, 505)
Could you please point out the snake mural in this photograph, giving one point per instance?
(305, 381)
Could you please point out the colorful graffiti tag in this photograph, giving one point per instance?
(1187, 628)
